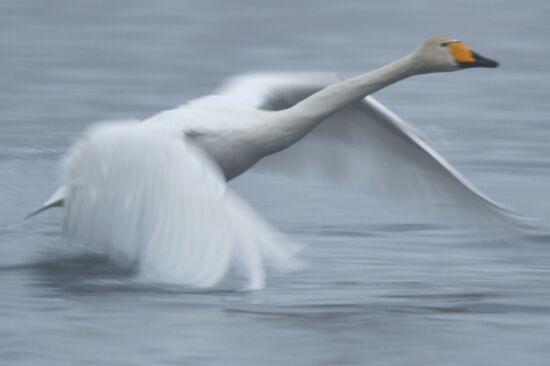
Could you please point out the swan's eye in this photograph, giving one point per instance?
(447, 43)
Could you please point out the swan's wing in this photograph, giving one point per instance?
(368, 149)
(152, 198)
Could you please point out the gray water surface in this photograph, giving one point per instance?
(382, 287)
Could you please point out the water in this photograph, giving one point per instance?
(382, 288)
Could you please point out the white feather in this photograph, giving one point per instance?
(366, 148)
(150, 197)
(154, 195)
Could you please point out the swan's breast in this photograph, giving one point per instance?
(233, 150)
(230, 135)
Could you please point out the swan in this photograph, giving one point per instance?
(153, 194)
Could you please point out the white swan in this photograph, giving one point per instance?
(154, 193)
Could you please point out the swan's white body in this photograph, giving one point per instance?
(154, 193)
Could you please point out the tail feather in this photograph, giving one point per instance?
(56, 200)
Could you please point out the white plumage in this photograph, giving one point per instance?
(149, 196)
(153, 194)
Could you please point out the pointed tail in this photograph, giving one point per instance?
(56, 200)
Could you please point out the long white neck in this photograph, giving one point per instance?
(324, 103)
(295, 122)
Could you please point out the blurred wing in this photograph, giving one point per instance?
(150, 198)
(366, 148)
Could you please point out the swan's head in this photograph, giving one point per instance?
(442, 53)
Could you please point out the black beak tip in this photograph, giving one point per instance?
(481, 61)
(492, 64)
